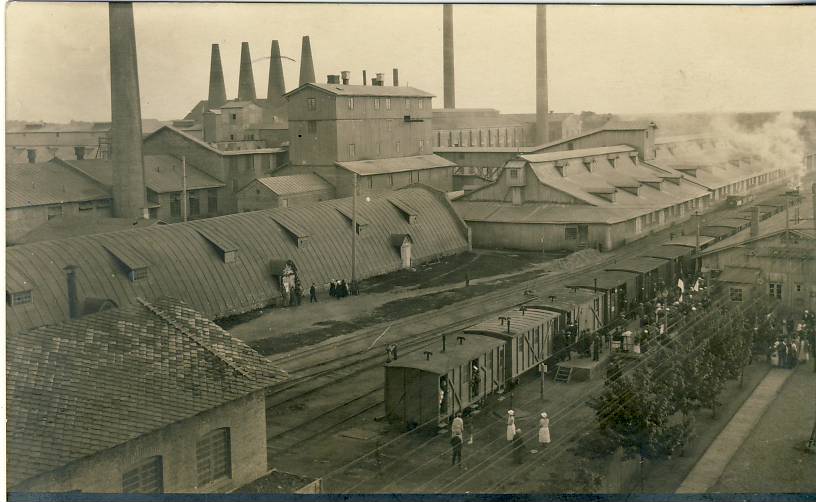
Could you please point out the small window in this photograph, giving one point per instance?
(234, 117)
(86, 206)
(798, 287)
(735, 294)
(350, 103)
(232, 137)
(311, 126)
(352, 151)
(388, 125)
(571, 233)
(421, 145)
(387, 103)
(407, 103)
(379, 148)
(175, 206)
(391, 179)
(397, 147)
(144, 478)
(311, 104)
(138, 274)
(370, 181)
(420, 103)
(376, 103)
(194, 209)
(212, 201)
(18, 298)
(514, 174)
(213, 459)
(775, 290)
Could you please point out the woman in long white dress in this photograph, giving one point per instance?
(511, 425)
(544, 430)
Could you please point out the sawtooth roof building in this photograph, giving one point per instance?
(231, 264)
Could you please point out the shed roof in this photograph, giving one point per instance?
(454, 355)
(184, 264)
(564, 299)
(606, 280)
(49, 183)
(365, 90)
(294, 184)
(395, 164)
(83, 386)
(641, 264)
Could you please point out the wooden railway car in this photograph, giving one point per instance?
(427, 387)
(618, 289)
(652, 275)
(528, 336)
(575, 305)
(678, 258)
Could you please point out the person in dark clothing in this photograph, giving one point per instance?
(782, 350)
(332, 289)
(596, 347)
(343, 289)
(313, 294)
(456, 449)
(518, 447)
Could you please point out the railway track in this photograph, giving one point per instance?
(309, 379)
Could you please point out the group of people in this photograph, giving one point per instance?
(514, 436)
(339, 289)
(796, 343)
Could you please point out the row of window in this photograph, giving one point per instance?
(55, 210)
(481, 137)
(379, 103)
(193, 205)
(213, 462)
(352, 148)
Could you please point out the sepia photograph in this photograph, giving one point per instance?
(258, 251)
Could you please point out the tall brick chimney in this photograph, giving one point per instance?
(246, 80)
(276, 88)
(447, 55)
(126, 115)
(542, 106)
(307, 72)
(218, 93)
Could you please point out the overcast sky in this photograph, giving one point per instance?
(619, 59)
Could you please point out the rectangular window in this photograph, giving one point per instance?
(18, 298)
(311, 104)
(407, 103)
(775, 290)
(212, 201)
(387, 103)
(798, 287)
(514, 174)
(379, 148)
(397, 147)
(213, 458)
(350, 103)
(54, 211)
(137, 274)
(421, 145)
(234, 117)
(144, 478)
(175, 206)
(194, 209)
(420, 103)
(388, 125)
(352, 151)
(311, 126)
(735, 294)
(571, 233)
(376, 103)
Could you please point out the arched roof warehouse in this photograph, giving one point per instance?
(221, 266)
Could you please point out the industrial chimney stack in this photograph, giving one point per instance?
(542, 106)
(218, 92)
(126, 115)
(447, 53)
(246, 80)
(276, 88)
(307, 72)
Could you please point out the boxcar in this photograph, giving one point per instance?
(652, 275)
(576, 305)
(678, 258)
(528, 337)
(618, 288)
(427, 387)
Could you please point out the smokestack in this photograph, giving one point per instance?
(447, 54)
(396, 77)
(365, 81)
(73, 297)
(754, 221)
(246, 81)
(126, 115)
(307, 73)
(542, 106)
(276, 87)
(346, 75)
(218, 93)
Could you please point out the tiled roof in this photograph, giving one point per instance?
(162, 173)
(366, 90)
(49, 183)
(296, 183)
(395, 164)
(186, 265)
(87, 385)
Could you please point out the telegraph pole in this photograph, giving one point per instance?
(354, 236)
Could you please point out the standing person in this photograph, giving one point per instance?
(458, 426)
(793, 354)
(544, 431)
(518, 447)
(338, 290)
(313, 294)
(456, 450)
(804, 350)
(782, 351)
(332, 288)
(511, 425)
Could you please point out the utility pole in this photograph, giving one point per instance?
(183, 188)
(354, 236)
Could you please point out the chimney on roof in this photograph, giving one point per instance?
(126, 116)
(246, 81)
(218, 93)
(365, 81)
(754, 221)
(307, 73)
(276, 87)
(73, 296)
(346, 76)
(379, 80)
(542, 106)
(396, 77)
(332, 79)
(447, 56)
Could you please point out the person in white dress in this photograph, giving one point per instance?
(544, 430)
(511, 425)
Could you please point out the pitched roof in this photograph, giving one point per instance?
(640, 264)
(87, 385)
(49, 183)
(395, 164)
(200, 142)
(574, 154)
(365, 90)
(505, 212)
(455, 354)
(606, 280)
(184, 264)
(163, 173)
(63, 227)
(295, 183)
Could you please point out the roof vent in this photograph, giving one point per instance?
(332, 79)
(346, 76)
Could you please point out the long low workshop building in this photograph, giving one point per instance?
(231, 264)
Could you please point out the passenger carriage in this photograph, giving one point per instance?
(427, 387)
